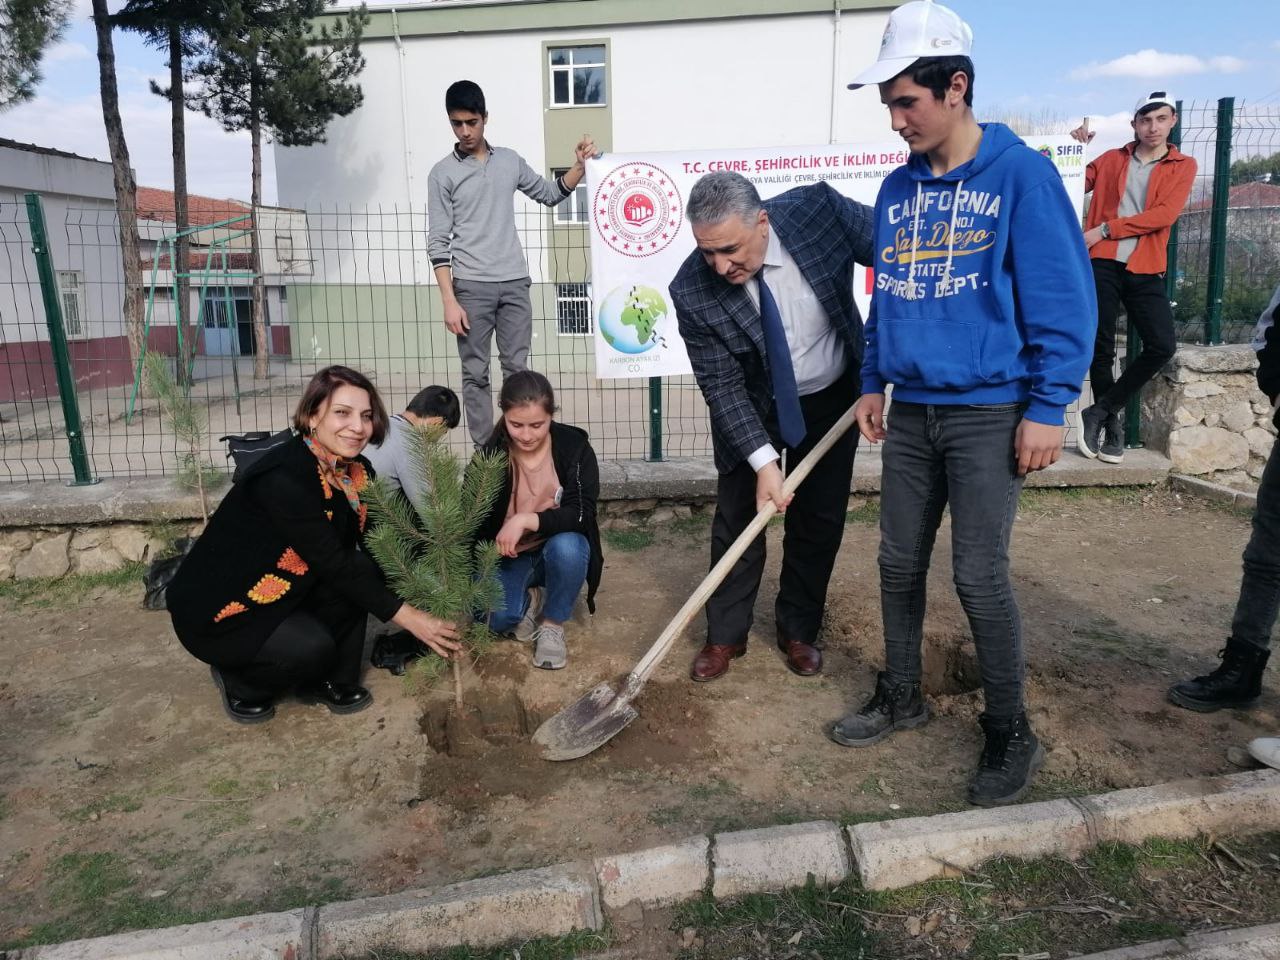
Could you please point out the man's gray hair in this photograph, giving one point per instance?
(721, 195)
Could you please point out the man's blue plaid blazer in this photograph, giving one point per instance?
(826, 234)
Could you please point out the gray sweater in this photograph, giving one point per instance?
(392, 463)
(471, 223)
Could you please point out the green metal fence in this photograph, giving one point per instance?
(342, 286)
(353, 285)
(1225, 255)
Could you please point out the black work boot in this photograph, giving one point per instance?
(1236, 684)
(892, 707)
(1010, 758)
(1089, 431)
(1112, 449)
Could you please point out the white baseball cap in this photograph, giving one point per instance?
(1162, 97)
(918, 29)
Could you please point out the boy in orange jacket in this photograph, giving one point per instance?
(1138, 192)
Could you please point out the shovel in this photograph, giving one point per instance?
(600, 714)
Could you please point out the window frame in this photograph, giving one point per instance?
(575, 209)
(585, 300)
(553, 69)
(76, 291)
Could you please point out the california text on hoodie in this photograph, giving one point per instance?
(983, 290)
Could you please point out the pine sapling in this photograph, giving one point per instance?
(427, 547)
(188, 423)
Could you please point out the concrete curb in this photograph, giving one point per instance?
(1246, 943)
(1242, 500)
(553, 901)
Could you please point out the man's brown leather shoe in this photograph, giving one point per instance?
(803, 658)
(713, 659)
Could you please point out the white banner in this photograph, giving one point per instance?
(639, 236)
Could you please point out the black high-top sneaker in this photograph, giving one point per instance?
(1112, 449)
(1010, 758)
(1091, 420)
(1236, 684)
(892, 707)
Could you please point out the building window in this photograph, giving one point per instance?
(577, 76)
(573, 208)
(71, 293)
(573, 309)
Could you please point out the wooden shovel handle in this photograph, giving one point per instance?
(662, 646)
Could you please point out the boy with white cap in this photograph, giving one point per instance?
(983, 320)
(1138, 191)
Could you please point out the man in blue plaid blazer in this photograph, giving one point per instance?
(779, 272)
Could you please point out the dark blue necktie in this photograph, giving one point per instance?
(786, 396)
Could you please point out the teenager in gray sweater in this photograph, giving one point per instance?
(475, 252)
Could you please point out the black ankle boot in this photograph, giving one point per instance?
(1236, 684)
(338, 697)
(242, 711)
(1010, 758)
(891, 707)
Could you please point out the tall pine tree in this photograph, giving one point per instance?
(174, 26)
(264, 70)
(27, 28)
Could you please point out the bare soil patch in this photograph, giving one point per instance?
(128, 799)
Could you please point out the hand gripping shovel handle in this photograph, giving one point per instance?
(662, 646)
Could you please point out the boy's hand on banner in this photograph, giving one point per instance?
(1036, 446)
(1082, 133)
(586, 149)
(868, 413)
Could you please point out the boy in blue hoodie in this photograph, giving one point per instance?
(983, 321)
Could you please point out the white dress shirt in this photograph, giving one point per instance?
(818, 355)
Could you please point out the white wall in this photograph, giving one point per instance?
(80, 217)
(732, 83)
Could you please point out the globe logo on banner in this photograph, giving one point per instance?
(629, 317)
(637, 210)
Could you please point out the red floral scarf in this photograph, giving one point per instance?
(347, 475)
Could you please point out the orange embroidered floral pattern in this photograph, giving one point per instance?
(329, 514)
(230, 610)
(290, 562)
(359, 476)
(363, 515)
(269, 589)
(324, 483)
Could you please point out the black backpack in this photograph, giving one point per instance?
(247, 448)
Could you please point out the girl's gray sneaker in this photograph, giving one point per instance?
(548, 647)
(528, 624)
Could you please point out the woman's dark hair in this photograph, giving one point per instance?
(465, 95)
(519, 389)
(322, 387)
(936, 73)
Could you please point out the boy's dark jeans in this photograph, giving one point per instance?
(1143, 298)
(1260, 587)
(962, 456)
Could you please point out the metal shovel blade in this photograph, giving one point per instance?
(584, 725)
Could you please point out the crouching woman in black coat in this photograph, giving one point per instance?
(274, 593)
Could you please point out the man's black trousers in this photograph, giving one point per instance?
(812, 531)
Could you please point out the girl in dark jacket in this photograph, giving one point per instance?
(274, 594)
(544, 520)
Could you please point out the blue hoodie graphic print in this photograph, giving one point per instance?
(983, 289)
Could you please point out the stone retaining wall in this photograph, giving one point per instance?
(1205, 413)
(52, 551)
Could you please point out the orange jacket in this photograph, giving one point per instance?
(1166, 196)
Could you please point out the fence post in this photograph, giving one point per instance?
(1218, 221)
(655, 419)
(58, 342)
